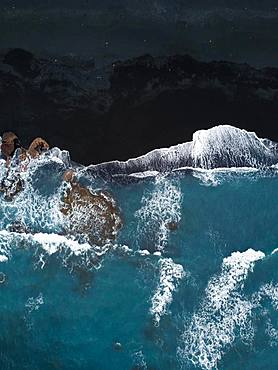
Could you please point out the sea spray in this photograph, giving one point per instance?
(212, 327)
(219, 146)
(170, 274)
(161, 207)
(172, 226)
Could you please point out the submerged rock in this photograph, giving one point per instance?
(84, 278)
(2, 278)
(172, 226)
(117, 346)
(93, 213)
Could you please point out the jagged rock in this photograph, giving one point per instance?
(14, 153)
(93, 213)
(10, 143)
(37, 147)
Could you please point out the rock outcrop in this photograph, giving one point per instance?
(10, 143)
(15, 155)
(94, 214)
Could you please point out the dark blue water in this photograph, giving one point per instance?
(202, 294)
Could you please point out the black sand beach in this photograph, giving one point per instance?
(130, 107)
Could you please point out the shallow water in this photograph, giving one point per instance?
(200, 296)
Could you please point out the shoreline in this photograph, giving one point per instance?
(133, 106)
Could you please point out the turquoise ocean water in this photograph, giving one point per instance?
(200, 295)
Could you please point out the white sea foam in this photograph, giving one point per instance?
(37, 209)
(29, 206)
(272, 333)
(269, 291)
(170, 274)
(231, 146)
(139, 360)
(50, 244)
(157, 253)
(3, 258)
(5, 247)
(32, 208)
(207, 177)
(160, 208)
(144, 252)
(145, 174)
(124, 249)
(215, 176)
(219, 146)
(53, 243)
(34, 303)
(212, 327)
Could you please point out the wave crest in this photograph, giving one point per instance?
(212, 326)
(220, 146)
(170, 275)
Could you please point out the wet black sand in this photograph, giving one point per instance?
(131, 107)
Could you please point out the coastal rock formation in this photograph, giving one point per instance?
(15, 154)
(37, 147)
(10, 143)
(92, 213)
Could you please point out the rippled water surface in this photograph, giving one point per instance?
(189, 283)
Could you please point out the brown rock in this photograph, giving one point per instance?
(172, 226)
(10, 143)
(37, 146)
(94, 214)
(23, 154)
(69, 176)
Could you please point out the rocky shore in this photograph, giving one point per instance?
(93, 214)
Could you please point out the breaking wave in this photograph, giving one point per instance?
(172, 229)
(220, 146)
(160, 211)
(170, 275)
(33, 216)
(212, 327)
(47, 244)
(267, 291)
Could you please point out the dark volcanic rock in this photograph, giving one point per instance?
(131, 107)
